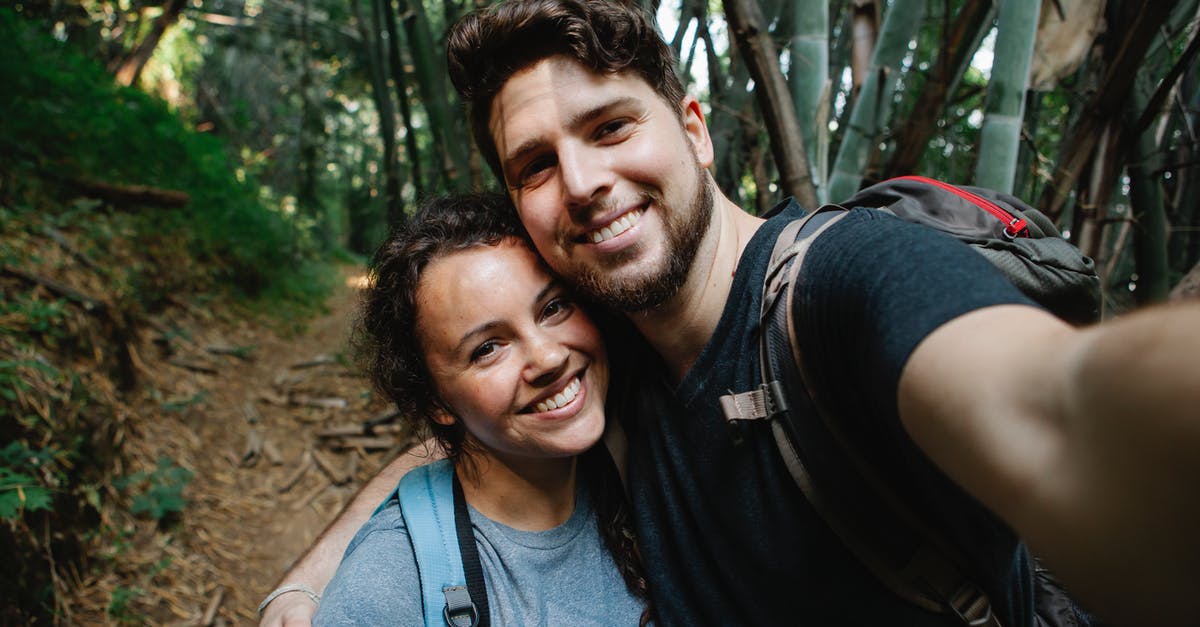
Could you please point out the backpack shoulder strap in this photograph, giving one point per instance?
(882, 533)
(434, 512)
(766, 401)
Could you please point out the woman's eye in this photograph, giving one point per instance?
(483, 351)
(557, 307)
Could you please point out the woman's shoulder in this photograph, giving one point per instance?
(376, 580)
(386, 524)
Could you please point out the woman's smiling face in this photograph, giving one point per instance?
(511, 354)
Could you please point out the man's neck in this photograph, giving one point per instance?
(682, 326)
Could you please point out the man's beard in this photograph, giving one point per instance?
(643, 292)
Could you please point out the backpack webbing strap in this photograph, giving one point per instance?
(426, 496)
(902, 552)
(769, 398)
(472, 568)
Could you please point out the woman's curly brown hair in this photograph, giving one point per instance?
(386, 336)
(387, 343)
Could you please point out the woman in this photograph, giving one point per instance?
(469, 335)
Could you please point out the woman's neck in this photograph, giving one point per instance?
(530, 495)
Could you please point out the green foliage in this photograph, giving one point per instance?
(159, 492)
(120, 605)
(177, 405)
(66, 121)
(26, 313)
(20, 491)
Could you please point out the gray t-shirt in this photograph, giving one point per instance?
(562, 576)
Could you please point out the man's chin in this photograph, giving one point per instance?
(632, 293)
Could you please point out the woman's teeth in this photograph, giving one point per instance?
(617, 227)
(560, 399)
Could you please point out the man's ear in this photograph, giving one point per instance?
(696, 129)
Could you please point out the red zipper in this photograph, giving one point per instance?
(1014, 227)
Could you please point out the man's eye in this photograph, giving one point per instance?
(534, 171)
(612, 127)
(483, 351)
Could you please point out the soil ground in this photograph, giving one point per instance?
(245, 422)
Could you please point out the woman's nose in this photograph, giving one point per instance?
(547, 361)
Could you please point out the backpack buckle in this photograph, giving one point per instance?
(766, 401)
(460, 611)
(971, 606)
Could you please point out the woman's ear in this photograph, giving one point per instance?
(443, 417)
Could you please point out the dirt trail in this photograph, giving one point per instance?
(243, 524)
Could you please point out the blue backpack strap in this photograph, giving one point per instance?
(426, 497)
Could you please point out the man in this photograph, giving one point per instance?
(982, 410)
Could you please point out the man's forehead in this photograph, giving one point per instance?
(557, 93)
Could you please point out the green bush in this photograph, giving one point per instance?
(159, 492)
(20, 490)
(66, 121)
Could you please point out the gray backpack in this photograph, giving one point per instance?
(885, 534)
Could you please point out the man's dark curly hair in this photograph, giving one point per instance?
(386, 336)
(486, 47)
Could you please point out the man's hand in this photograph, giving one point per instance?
(291, 609)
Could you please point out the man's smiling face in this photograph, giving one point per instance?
(607, 178)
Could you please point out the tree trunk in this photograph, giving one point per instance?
(310, 136)
(1144, 19)
(873, 106)
(430, 70)
(809, 80)
(130, 68)
(1001, 134)
(385, 14)
(725, 124)
(1149, 217)
(1091, 212)
(864, 29)
(1184, 247)
(787, 143)
(383, 105)
(959, 43)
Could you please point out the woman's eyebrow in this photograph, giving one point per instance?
(466, 337)
(549, 287)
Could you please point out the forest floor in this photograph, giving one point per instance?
(243, 405)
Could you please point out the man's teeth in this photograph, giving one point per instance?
(617, 227)
(560, 399)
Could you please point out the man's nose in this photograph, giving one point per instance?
(585, 175)
(547, 359)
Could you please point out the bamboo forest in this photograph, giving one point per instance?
(191, 192)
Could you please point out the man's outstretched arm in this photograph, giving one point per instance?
(316, 567)
(1086, 441)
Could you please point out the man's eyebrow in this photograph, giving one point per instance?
(577, 120)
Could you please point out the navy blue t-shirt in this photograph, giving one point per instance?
(727, 536)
